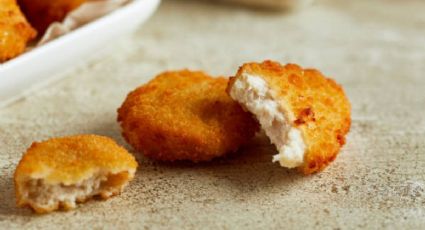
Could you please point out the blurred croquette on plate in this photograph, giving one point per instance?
(50, 61)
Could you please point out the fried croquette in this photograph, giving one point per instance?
(305, 115)
(185, 115)
(15, 31)
(41, 13)
(60, 172)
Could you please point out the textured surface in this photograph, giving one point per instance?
(375, 49)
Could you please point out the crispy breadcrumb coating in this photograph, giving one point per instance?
(184, 115)
(15, 31)
(41, 13)
(60, 172)
(312, 103)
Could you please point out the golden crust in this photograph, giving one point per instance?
(319, 106)
(71, 160)
(41, 13)
(184, 115)
(15, 31)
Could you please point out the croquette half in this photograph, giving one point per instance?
(61, 172)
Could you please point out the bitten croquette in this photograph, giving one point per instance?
(305, 115)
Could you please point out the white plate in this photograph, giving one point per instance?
(36, 67)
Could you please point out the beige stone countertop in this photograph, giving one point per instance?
(375, 49)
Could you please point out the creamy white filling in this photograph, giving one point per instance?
(254, 94)
(47, 195)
